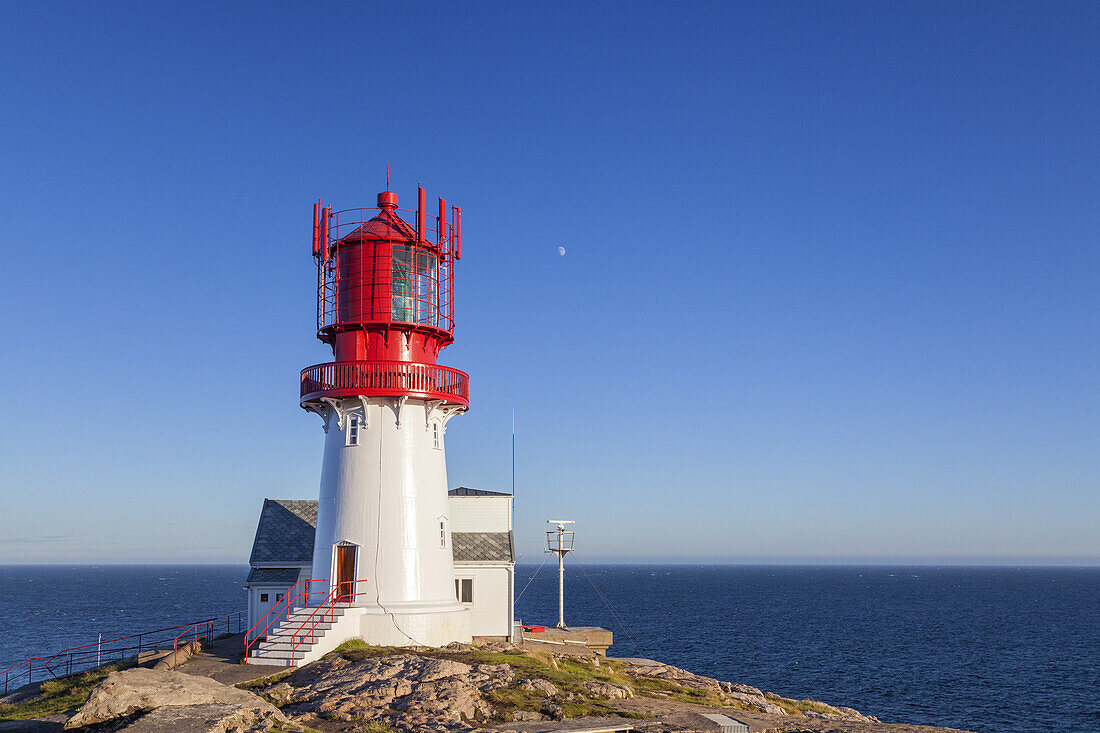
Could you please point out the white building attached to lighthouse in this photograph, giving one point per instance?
(482, 541)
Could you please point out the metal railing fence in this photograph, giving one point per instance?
(109, 651)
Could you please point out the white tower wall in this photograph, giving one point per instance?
(387, 496)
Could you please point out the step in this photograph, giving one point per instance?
(305, 627)
(296, 634)
(272, 662)
(276, 654)
(285, 646)
(310, 610)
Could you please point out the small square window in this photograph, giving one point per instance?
(263, 598)
(278, 597)
(352, 436)
(464, 590)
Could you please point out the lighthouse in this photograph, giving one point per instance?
(382, 550)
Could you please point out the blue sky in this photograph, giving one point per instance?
(830, 290)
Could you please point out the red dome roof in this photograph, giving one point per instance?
(386, 226)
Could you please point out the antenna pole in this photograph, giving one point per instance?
(513, 460)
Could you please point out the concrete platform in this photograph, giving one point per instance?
(592, 638)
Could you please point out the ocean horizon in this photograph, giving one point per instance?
(974, 647)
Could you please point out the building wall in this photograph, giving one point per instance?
(256, 607)
(481, 513)
(491, 610)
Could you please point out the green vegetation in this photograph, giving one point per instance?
(376, 726)
(264, 681)
(566, 674)
(64, 695)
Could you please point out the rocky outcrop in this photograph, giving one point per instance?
(749, 696)
(607, 691)
(137, 690)
(201, 719)
(417, 692)
(541, 686)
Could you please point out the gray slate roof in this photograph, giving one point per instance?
(273, 576)
(285, 533)
(464, 491)
(482, 546)
(286, 529)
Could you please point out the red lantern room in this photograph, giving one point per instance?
(385, 301)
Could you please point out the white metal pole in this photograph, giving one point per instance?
(98, 650)
(561, 577)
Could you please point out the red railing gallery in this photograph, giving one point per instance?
(385, 378)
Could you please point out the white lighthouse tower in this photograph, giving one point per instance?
(385, 304)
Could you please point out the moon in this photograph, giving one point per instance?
(561, 251)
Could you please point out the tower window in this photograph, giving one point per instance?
(352, 437)
(464, 589)
(442, 532)
(435, 435)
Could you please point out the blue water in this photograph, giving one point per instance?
(986, 649)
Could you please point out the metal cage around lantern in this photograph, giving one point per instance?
(408, 270)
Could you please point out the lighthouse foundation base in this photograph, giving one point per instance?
(394, 627)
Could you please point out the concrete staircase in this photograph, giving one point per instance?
(301, 638)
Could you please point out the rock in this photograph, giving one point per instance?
(759, 702)
(499, 647)
(133, 690)
(527, 715)
(499, 675)
(418, 693)
(742, 693)
(200, 719)
(536, 685)
(552, 709)
(607, 691)
(458, 646)
(171, 659)
(281, 694)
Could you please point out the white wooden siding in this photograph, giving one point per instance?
(491, 611)
(481, 513)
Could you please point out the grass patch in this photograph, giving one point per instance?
(264, 681)
(64, 695)
(376, 726)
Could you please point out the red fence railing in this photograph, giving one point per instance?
(108, 651)
(385, 378)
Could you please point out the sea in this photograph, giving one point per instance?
(988, 649)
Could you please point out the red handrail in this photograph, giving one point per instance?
(333, 598)
(176, 642)
(287, 599)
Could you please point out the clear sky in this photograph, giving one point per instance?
(830, 290)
